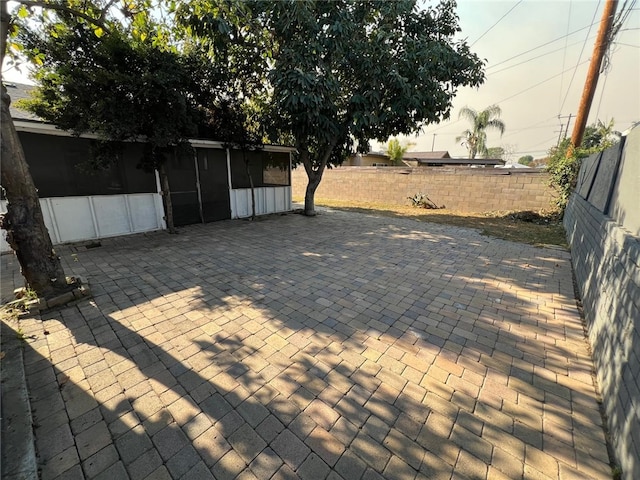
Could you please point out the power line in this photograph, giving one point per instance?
(604, 85)
(535, 126)
(539, 46)
(573, 76)
(618, 22)
(431, 131)
(535, 58)
(564, 57)
(499, 20)
(544, 142)
(538, 84)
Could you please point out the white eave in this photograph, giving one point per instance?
(46, 129)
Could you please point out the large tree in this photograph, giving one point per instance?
(126, 86)
(475, 138)
(23, 222)
(344, 72)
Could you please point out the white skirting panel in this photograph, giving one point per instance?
(74, 219)
(268, 200)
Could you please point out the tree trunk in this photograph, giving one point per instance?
(26, 232)
(309, 196)
(253, 192)
(313, 174)
(166, 198)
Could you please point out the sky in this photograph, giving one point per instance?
(531, 89)
(538, 90)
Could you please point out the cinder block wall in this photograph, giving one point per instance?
(462, 189)
(606, 260)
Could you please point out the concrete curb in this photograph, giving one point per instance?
(18, 461)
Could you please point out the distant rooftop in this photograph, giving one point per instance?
(18, 91)
(426, 155)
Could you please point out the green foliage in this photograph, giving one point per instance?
(396, 150)
(340, 73)
(475, 139)
(599, 136)
(564, 168)
(124, 86)
(525, 160)
(495, 152)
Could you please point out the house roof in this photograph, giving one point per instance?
(513, 165)
(460, 161)
(371, 154)
(19, 91)
(30, 123)
(426, 155)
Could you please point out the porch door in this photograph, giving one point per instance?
(184, 191)
(214, 184)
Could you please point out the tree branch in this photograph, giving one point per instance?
(98, 22)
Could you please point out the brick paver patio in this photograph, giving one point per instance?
(343, 346)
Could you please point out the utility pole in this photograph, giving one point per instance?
(559, 134)
(566, 132)
(433, 143)
(599, 49)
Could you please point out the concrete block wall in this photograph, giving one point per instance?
(462, 189)
(606, 260)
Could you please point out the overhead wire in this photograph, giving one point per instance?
(499, 20)
(564, 56)
(604, 85)
(534, 58)
(575, 68)
(618, 22)
(545, 142)
(534, 126)
(539, 46)
(573, 76)
(538, 84)
(430, 131)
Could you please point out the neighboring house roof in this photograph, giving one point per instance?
(426, 155)
(460, 161)
(512, 165)
(18, 91)
(370, 154)
(30, 123)
(375, 154)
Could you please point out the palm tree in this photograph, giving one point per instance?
(396, 150)
(476, 138)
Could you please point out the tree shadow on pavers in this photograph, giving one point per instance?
(78, 437)
(407, 286)
(89, 424)
(142, 421)
(378, 419)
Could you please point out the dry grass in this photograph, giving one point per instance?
(534, 228)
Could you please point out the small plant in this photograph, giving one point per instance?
(30, 295)
(421, 200)
(25, 294)
(616, 472)
(20, 335)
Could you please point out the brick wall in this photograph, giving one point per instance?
(463, 189)
(606, 259)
